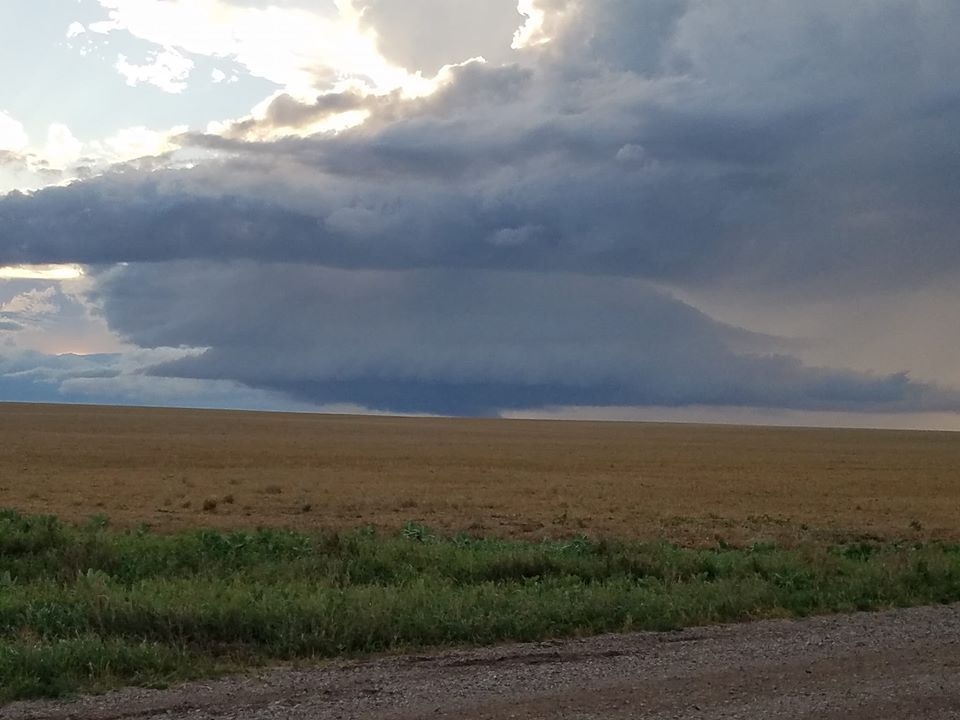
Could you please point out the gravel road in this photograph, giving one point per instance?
(901, 664)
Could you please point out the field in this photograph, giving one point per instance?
(149, 546)
(176, 469)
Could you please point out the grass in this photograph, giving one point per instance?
(88, 607)
(694, 485)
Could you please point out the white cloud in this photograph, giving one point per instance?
(12, 135)
(64, 158)
(218, 75)
(75, 29)
(62, 147)
(31, 305)
(631, 153)
(167, 70)
(28, 167)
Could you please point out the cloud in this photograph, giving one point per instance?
(27, 376)
(779, 190)
(63, 158)
(522, 235)
(468, 342)
(219, 76)
(135, 143)
(62, 147)
(749, 416)
(31, 167)
(166, 69)
(425, 35)
(13, 137)
(75, 29)
(283, 115)
(8, 157)
(30, 306)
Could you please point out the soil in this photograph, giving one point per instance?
(899, 665)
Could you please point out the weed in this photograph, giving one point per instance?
(98, 522)
(415, 531)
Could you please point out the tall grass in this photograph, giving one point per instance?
(87, 607)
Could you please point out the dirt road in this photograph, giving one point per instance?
(901, 664)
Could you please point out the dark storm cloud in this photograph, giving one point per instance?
(810, 147)
(112, 224)
(779, 173)
(469, 342)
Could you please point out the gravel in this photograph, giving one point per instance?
(900, 664)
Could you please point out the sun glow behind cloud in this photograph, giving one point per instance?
(41, 272)
(292, 47)
(531, 33)
(305, 50)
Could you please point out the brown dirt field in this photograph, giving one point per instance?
(690, 483)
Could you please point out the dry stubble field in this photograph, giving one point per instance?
(175, 469)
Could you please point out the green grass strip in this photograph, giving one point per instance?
(87, 608)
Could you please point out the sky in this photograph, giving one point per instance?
(684, 210)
